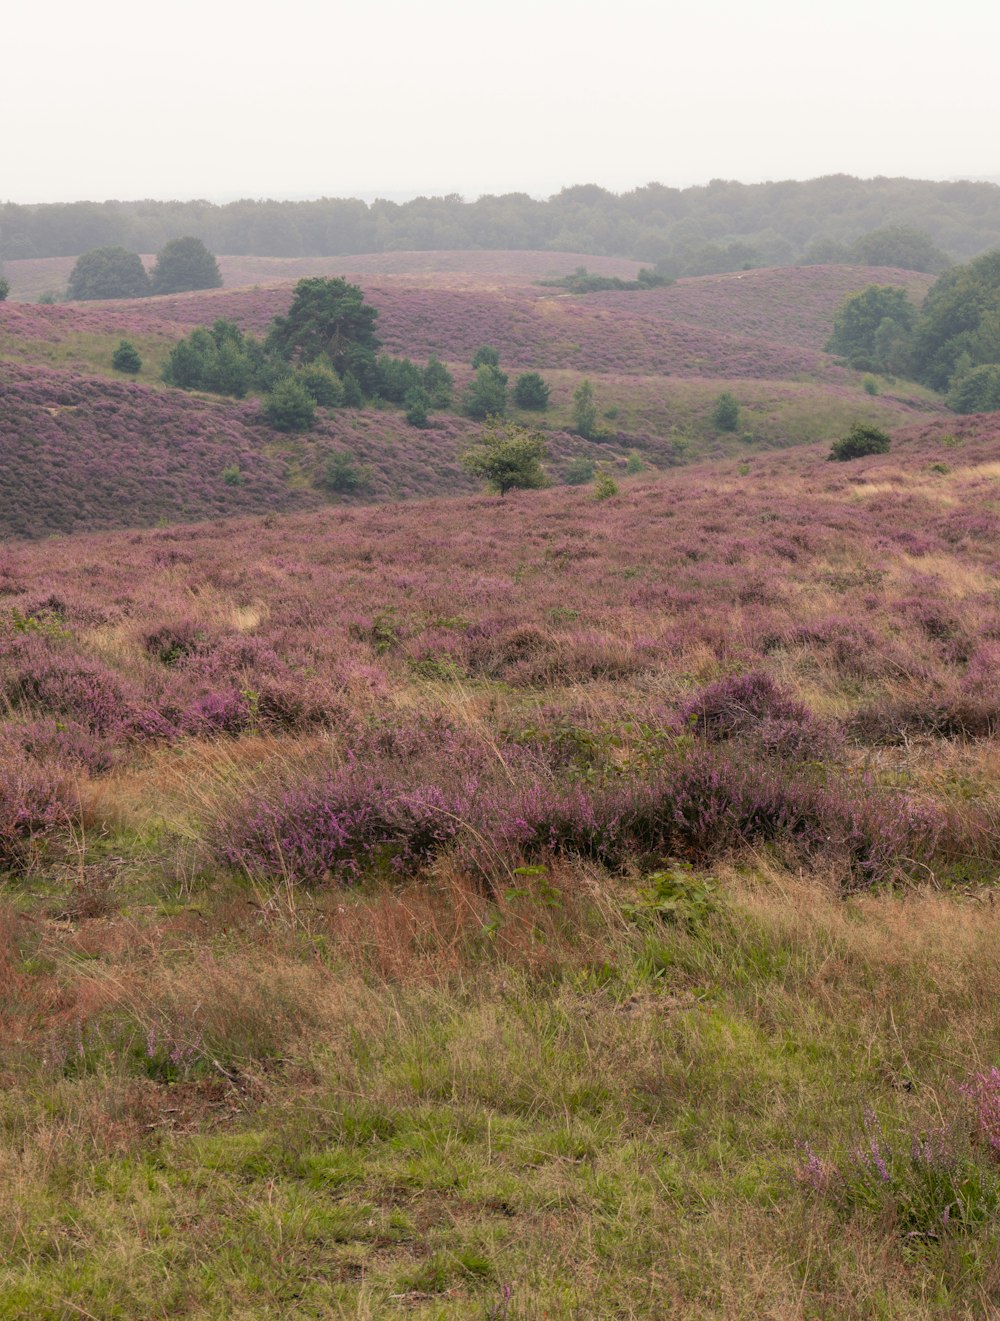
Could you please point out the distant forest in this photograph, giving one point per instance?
(719, 227)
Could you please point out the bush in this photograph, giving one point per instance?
(580, 471)
(860, 441)
(343, 475)
(584, 411)
(726, 413)
(289, 407)
(126, 358)
(416, 408)
(4, 289)
(605, 486)
(485, 356)
(398, 378)
(323, 384)
(438, 384)
(486, 396)
(530, 391)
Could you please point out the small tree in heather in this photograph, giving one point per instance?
(584, 411)
(508, 458)
(485, 356)
(126, 358)
(859, 442)
(289, 406)
(4, 289)
(726, 413)
(530, 391)
(439, 384)
(486, 396)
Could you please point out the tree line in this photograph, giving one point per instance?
(950, 343)
(720, 226)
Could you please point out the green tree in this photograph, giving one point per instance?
(438, 383)
(977, 390)
(486, 395)
(872, 327)
(126, 358)
(329, 319)
(184, 264)
(901, 246)
(860, 441)
(530, 391)
(584, 411)
(108, 273)
(4, 289)
(398, 378)
(323, 384)
(508, 457)
(485, 356)
(417, 404)
(959, 323)
(605, 486)
(726, 412)
(289, 407)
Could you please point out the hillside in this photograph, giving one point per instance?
(507, 907)
(85, 449)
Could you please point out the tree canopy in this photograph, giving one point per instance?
(184, 264)
(108, 273)
(870, 328)
(959, 325)
(329, 319)
(508, 457)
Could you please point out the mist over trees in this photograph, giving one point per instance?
(720, 226)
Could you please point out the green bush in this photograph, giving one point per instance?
(584, 411)
(416, 408)
(289, 407)
(4, 289)
(579, 471)
(860, 441)
(438, 384)
(977, 390)
(486, 396)
(726, 412)
(345, 475)
(323, 384)
(530, 391)
(508, 457)
(605, 486)
(126, 358)
(485, 356)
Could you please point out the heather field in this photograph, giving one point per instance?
(421, 903)
(512, 908)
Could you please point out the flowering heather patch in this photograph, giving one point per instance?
(794, 305)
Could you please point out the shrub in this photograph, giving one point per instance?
(870, 385)
(322, 383)
(345, 476)
(486, 396)
(31, 803)
(4, 289)
(580, 471)
(438, 384)
(485, 356)
(726, 412)
(416, 408)
(289, 407)
(860, 441)
(530, 391)
(584, 411)
(126, 358)
(605, 486)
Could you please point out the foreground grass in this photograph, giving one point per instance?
(584, 1098)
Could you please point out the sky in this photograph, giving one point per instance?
(308, 98)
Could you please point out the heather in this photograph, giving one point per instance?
(571, 903)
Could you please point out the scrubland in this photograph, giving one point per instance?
(539, 907)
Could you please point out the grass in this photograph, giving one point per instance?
(416, 1102)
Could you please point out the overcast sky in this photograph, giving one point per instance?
(217, 99)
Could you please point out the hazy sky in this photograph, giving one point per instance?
(212, 98)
